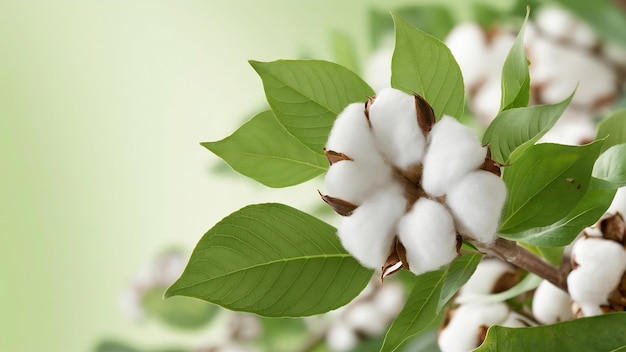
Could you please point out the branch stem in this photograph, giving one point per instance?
(521, 257)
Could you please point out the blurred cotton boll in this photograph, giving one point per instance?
(377, 70)
(551, 304)
(463, 331)
(485, 279)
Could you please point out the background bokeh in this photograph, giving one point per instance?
(102, 108)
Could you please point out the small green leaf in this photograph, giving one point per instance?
(611, 166)
(515, 75)
(590, 208)
(263, 150)
(344, 51)
(599, 333)
(518, 129)
(423, 64)
(545, 183)
(529, 282)
(180, 312)
(431, 292)
(612, 129)
(307, 95)
(272, 260)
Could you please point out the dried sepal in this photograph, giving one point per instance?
(613, 228)
(395, 261)
(340, 206)
(425, 114)
(491, 165)
(368, 104)
(334, 157)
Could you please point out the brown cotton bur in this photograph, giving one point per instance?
(396, 260)
(334, 157)
(340, 206)
(425, 114)
(613, 228)
(491, 165)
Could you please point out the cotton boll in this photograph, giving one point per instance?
(354, 181)
(453, 151)
(428, 235)
(476, 202)
(580, 284)
(377, 70)
(394, 123)
(369, 232)
(468, 45)
(341, 338)
(461, 333)
(555, 22)
(484, 279)
(614, 53)
(389, 300)
(486, 101)
(551, 304)
(351, 135)
(516, 320)
(599, 252)
(366, 319)
(583, 35)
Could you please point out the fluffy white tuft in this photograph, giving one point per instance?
(428, 235)
(394, 123)
(354, 181)
(468, 43)
(461, 334)
(476, 202)
(352, 136)
(551, 304)
(482, 282)
(341, 337)
(368, 233)
(453, 151)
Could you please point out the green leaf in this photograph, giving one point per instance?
(264, 151)
(180, 312)
(545, 183)
(590, 208)
(599, 333)
(344, 51)
(118, 346)
(518, 129)
(611, 166)
(607, 20)
(307, 95)
(430, 293)
(612, 129)
(515, 76)
(272, 260)
(423, 64)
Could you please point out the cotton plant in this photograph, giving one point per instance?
(419, 195)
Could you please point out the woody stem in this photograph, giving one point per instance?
(521, 257)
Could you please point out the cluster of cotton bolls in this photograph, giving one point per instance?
(597, 283)
(368, 315)
(466, 325)
(159, 273)
(408, 187)
(563, 51)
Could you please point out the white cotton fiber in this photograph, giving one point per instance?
(351, 135)
(468, 44)
(476, 202)
(461, 333)
(369, 232)
(453, 151)
(551, 304)
(555, 22)
(484, 279)
(428, 235)
(395, 127)
(354, 181)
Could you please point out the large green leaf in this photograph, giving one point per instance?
(612, 129)
(611, 166)
(518, 129)
(604, 16)
(599, 333)
(515, 75)
(423, 64)
(272, 260)
(263, 150)
(307, 95)
(591, 207)
(431, 292)
(545, 183)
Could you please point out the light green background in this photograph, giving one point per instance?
(102, 108)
